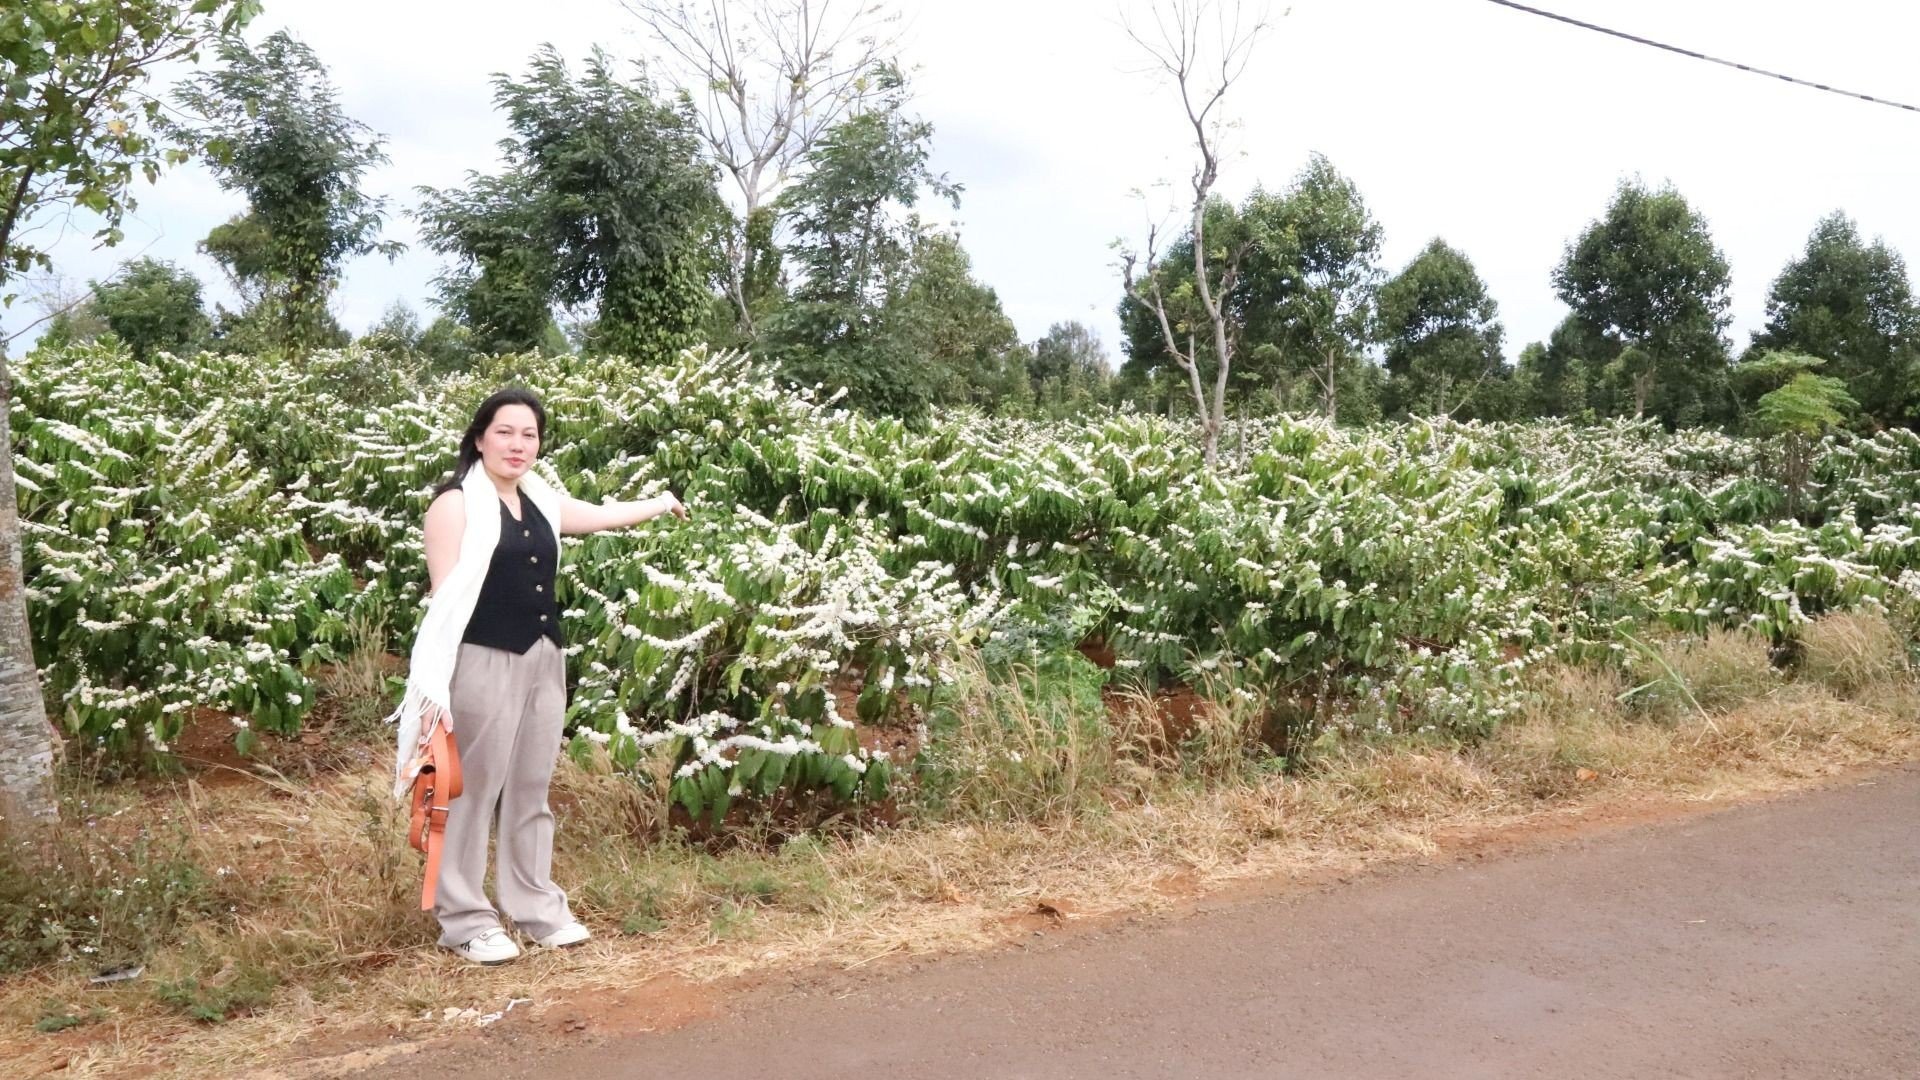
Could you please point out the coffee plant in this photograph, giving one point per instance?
(201, 531)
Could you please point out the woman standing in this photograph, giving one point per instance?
(488, 664)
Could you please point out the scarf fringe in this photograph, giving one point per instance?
(407, 762)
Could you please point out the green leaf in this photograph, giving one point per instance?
(871, 706)
(774, 771)
(686, 791)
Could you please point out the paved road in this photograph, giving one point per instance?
(1779, 939)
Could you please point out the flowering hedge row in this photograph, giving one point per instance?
(200, 531)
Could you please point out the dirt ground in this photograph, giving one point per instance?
(1773, 939)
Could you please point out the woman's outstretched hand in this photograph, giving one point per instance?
(578, 517)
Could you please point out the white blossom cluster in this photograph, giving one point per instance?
(165, 571)
(199, 530)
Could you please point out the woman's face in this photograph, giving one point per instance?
(511, 443)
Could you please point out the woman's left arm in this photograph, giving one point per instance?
(578, 516)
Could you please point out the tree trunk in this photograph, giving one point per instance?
(26, 741)
(740, 267)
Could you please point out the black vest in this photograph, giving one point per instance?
(516, 606)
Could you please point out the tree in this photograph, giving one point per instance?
(605, 201)
(446, 345)
(1068, 350)
(769, 79)
(1852, 303)
(855, 240)
(1647, 279)
(1559, 373)
(1324, 251)
(1800, 408)
(396, 334)
(1442, 336)
(502, 287)
(1298, 309)
(152, 306)
(67, 311)
(1203, 63)
(955, 326)
(72, 116)
(1150, 369)
(1068, 370)
(274, 131)
(80, 324)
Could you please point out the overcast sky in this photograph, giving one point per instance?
(1499, 131)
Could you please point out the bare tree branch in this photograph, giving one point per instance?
(52, 312)
(1148, 293)
(1179, 47)
(56, 298)
(773, 76)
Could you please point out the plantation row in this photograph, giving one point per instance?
(205, 530)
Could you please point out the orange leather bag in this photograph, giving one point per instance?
(435, 787)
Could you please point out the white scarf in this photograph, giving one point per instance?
(437, 648)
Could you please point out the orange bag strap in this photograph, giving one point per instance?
(434, 789)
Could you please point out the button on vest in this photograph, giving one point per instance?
(516, 606)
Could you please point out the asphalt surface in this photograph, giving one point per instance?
(1778, 939)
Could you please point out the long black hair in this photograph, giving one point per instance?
(482, 420)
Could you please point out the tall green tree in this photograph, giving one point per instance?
(152, 306)
(1851, 303)
(273, 130)
(952, 323)
(1647, 279)
(1796, 406)
(1442, 336)
(1069, 370)
(75, 130)
(502, 286)
(855, 234)
(606, 202)
(1067, 348)
(1328, 261)
(397, 332)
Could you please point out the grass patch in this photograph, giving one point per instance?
(1018, 742)
(103, 888)
(233, 992)
(1723, 670)
(1853, 653)
(58, 1016)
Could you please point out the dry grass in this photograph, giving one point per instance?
(1106, 821)
(1723, 669)
(1852, 653)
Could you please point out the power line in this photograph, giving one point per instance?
(1638, 40)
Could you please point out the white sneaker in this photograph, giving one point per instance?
(571, 934)
(493, 946)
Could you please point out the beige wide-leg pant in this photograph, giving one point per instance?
(508, 710)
